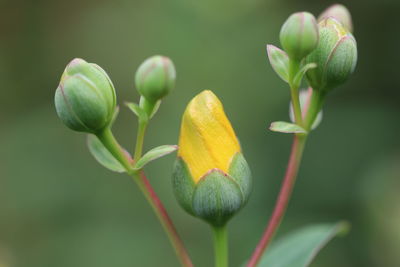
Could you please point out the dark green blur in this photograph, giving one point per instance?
(60, 208)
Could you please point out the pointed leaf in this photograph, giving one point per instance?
(102, 155)
(298, 249)
(155, 109)
(135, 108)
(299, 76)
(279, 61)
(153, 154)
(286, 127)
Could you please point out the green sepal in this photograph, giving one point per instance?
(154, 154)
(183, 185)
(279, 61)
(217, 197)
(102, 155)
(114, 117)
(240, 172)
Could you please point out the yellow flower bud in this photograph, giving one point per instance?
(207, 140)
(211, 177)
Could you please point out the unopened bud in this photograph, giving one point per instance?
(340, 13)
(85, 98)
(155, 78)
(211, 178)
(335, 56)
(299, 35)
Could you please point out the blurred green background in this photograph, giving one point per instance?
(59, 208)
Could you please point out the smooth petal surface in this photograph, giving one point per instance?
(207, 140)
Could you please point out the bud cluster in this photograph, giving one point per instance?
(326, 52)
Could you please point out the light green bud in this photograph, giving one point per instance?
(155, 78)
(85, 98)
(340, 13)
(299, 35)
(335, 56)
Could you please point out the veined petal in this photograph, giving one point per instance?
(207, 140)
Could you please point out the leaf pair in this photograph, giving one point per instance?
(105, 158)
(140, 112)
(280, 63)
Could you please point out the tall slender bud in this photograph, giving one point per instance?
(335, 56)
(299, 35)
(211, 177)
(85, 98)
(155, 78)
(340, 13)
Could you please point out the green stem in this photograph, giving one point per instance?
(142, 126)
(294, 67)
(109, 141)
(163, 218)
(317, 99)
(220, 245)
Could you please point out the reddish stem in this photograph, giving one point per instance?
(282, 200)
(164, 218)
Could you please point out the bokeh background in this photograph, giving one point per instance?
(59, 208)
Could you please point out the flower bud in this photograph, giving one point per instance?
(85, 98)
(340, 13)
(299, 35)
(335, 56)
(211, 178)
(155, 78)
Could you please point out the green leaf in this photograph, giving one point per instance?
(153, 154)
(299, 76)
(155, 109)
(135, 108)
(286, 127)
(102, 155)
(298, 249)
(279, 61)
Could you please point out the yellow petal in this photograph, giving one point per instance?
(207, 140)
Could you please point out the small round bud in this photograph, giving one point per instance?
(85, 98)
(335, 56)
(155, 78)
(340, 13)
(211, 178)
(299, 35)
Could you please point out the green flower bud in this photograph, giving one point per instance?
(340, 13)
(335, 56)
(85, 98)
(211, 178)
(155, 78)
(299, 35)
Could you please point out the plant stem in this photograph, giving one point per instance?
(142, 126)
(283, 198)
(163, 217)
(296, 105)
(109, 141)
(317, 99)
(221, 245)
(294, 91)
